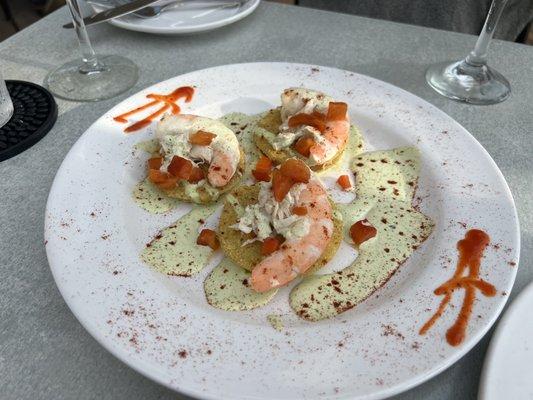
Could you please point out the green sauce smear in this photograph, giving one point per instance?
(151, 199)
(354, 147)
(227, 288)
(276, 322)
(150, 146)
(174, 250)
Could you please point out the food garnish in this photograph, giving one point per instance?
(344, 182)
(201, 138)
(208, 238)
(362, 231)
(262, 171)
(269, 246)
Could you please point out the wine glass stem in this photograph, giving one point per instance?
(90, 61)
(478, 56)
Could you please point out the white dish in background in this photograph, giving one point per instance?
(182, 19)
(507, 369)
(95, 232)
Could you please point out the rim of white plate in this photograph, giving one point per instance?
(246, 9)
(402, 386)
(500, 334)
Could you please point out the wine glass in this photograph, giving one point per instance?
(471, 80)
(95, 78)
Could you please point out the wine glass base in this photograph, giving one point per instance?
(467, 83)
(117, 75)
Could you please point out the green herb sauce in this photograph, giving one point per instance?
(275, 321)
(151, 199)
(174, 250)
(227, 288)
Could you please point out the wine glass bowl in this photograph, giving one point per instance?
(471, 80)
(94, 78)
(473, 84)
(112, 76)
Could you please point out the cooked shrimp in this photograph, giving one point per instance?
(296, 256)
(222, 153)
(333, 137)
(222, 167)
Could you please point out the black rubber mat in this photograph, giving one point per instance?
(35, 112)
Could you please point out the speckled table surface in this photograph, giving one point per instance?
(44, 351)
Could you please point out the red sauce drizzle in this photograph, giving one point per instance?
(471, 250)
(168, 101)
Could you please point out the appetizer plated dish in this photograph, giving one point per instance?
(280, 223)
(288, 215)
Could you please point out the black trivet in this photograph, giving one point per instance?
(35, 112)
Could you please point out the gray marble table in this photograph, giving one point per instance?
(44, 351)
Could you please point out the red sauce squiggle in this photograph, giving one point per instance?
(471, 250)
(168, 101)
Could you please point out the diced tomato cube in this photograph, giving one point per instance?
(296, 170)
(170, 183)
(155, 162)
(316, 114)
(197, 174)
(180, 167)
(162, 180)
(261, 176)
(264, 164)
(299, 210)
(156, 176)
(209, 238)
(281, 185)
(315, 120)
(269, 246)
(344, 182)
(262, 169)
(303, 145)
(361, 231)
(336, 111)
(202, 138)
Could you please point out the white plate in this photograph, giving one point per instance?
(183, 19)
(95, 233)
(507, 369)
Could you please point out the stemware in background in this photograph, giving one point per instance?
(94, 78)
(471, 80)
(6, 105)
